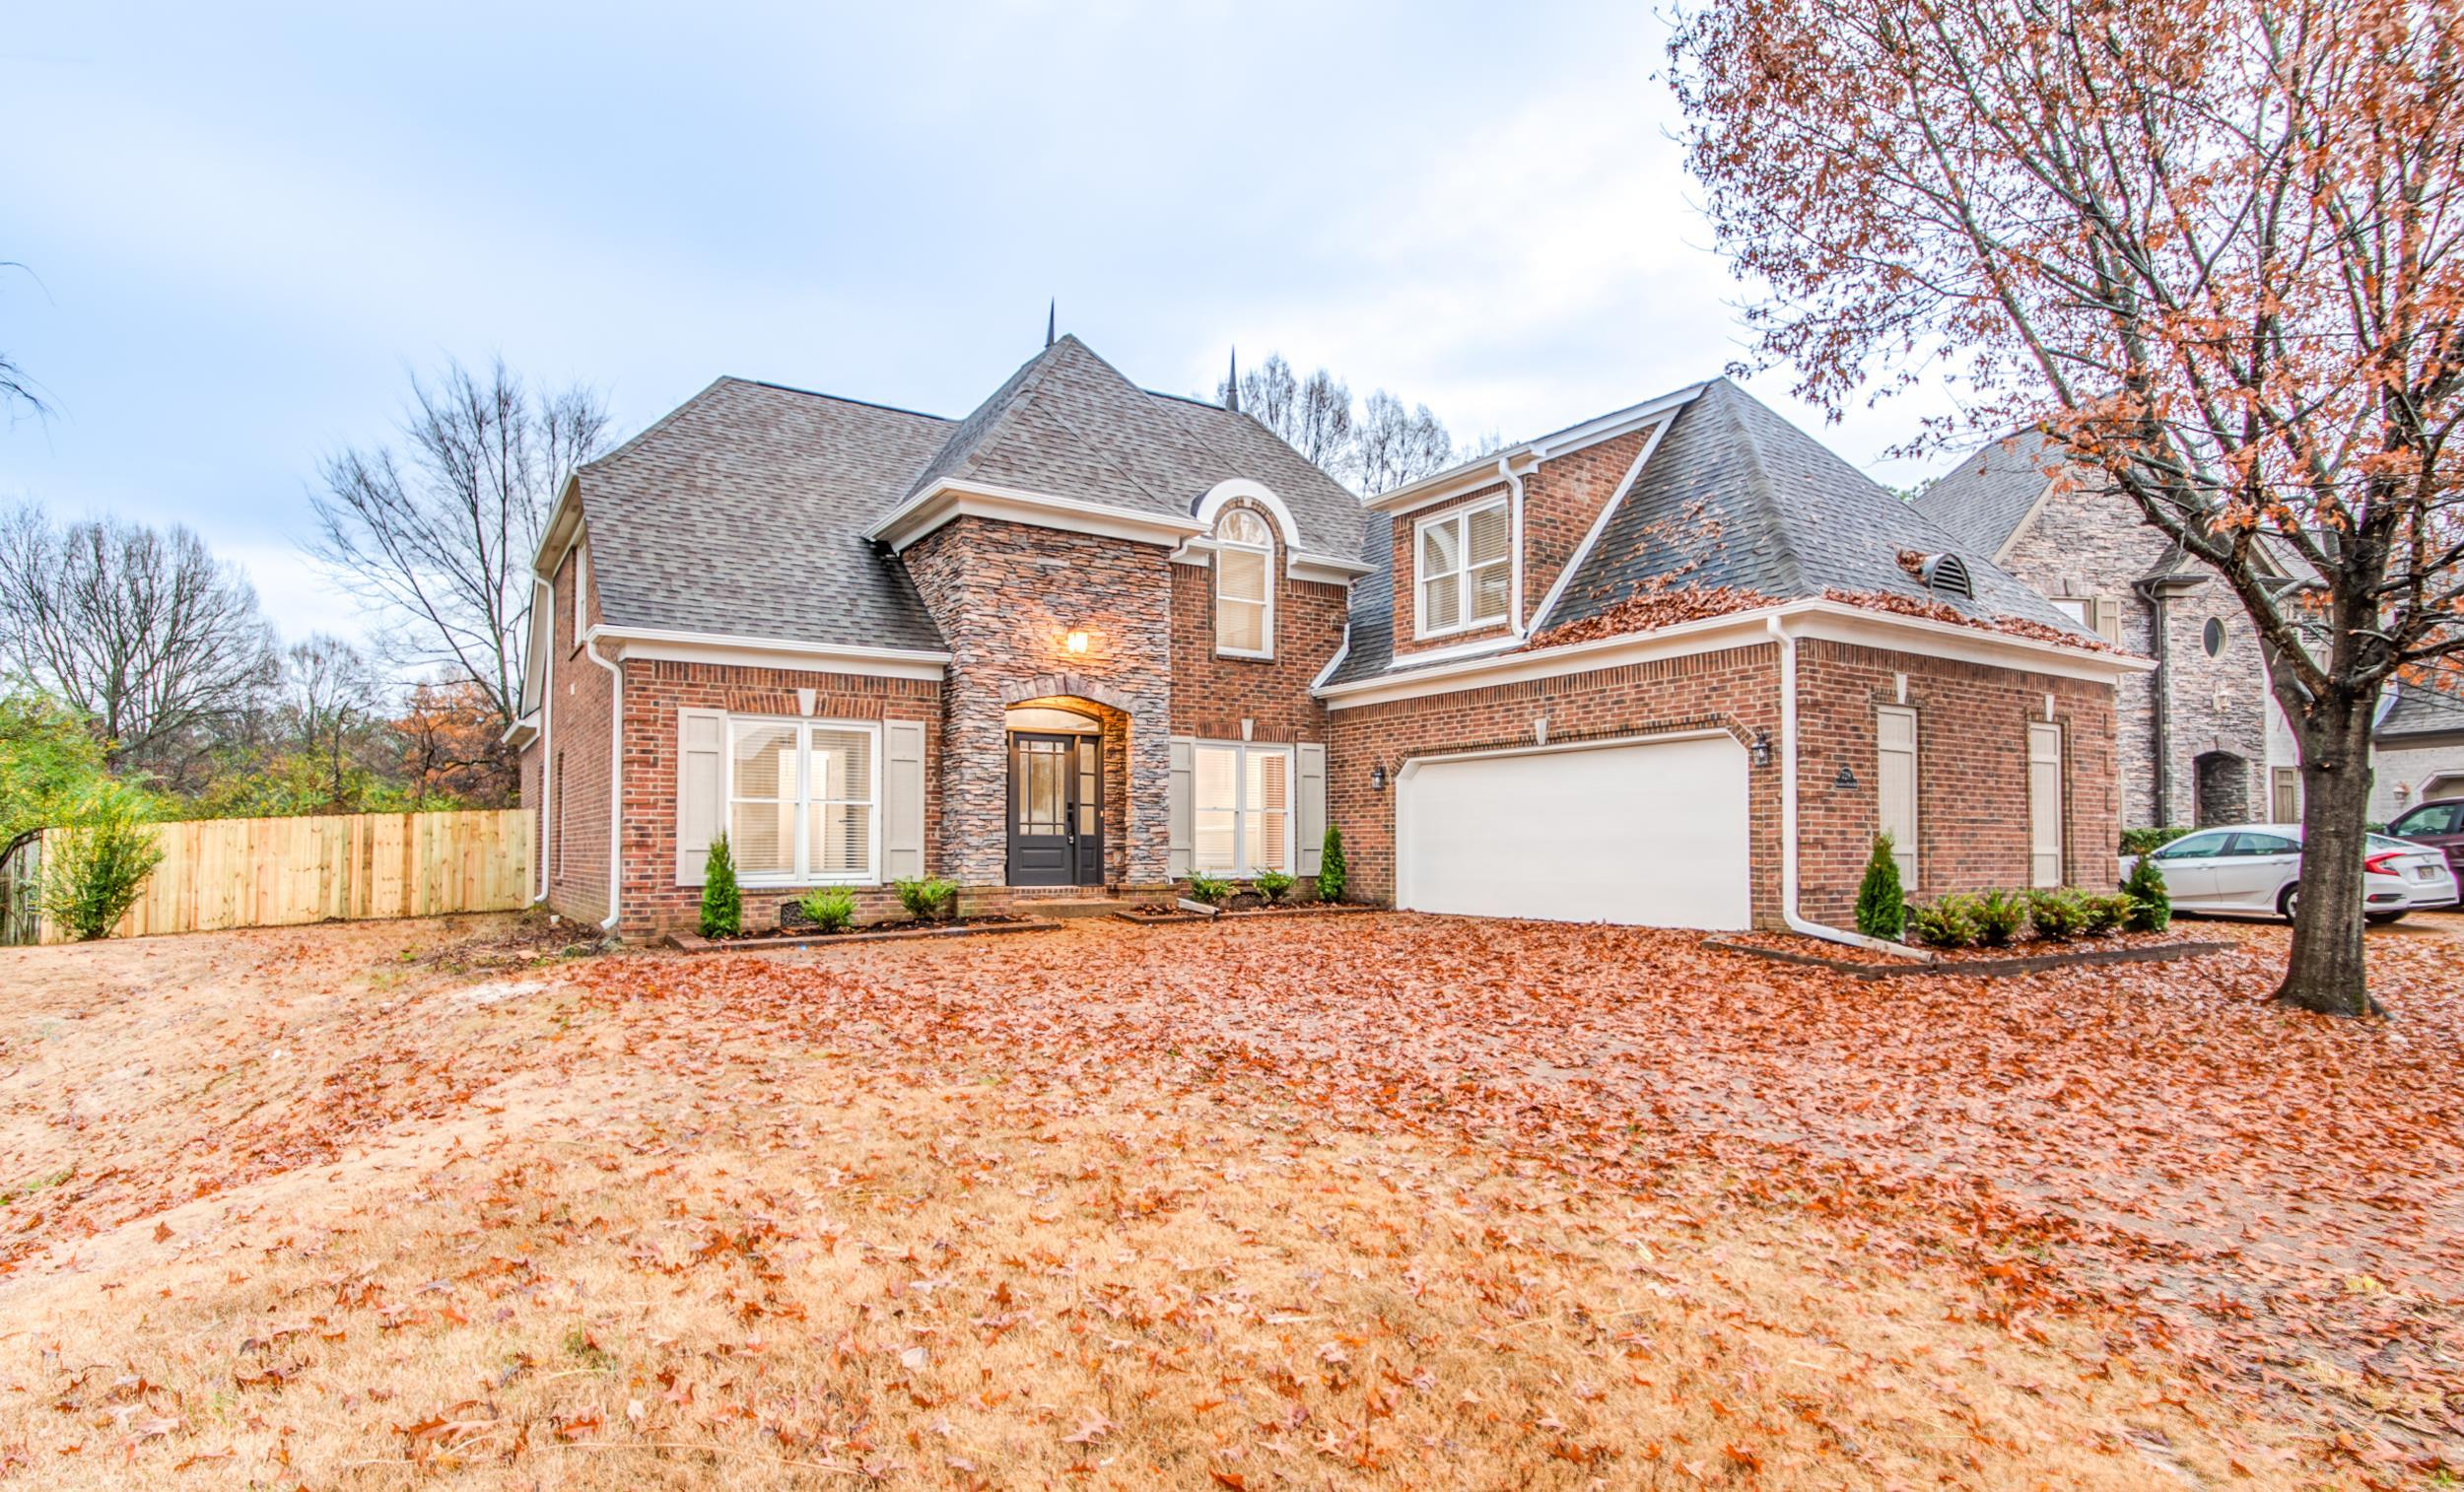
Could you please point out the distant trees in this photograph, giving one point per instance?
(1382, 445)
(144, 631)
(15, 387)
(437, 538)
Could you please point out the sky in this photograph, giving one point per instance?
(244, 227)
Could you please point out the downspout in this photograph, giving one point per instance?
(1505, 468)
(615, 780)
(1788, 816)
(544, 591)
(2160, 698)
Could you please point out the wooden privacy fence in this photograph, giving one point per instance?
(272, 872)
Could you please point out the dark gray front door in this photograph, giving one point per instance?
(1056, 811)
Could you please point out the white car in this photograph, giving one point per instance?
(2257, 868)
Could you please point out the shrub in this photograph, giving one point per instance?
(832, 908)
(1331, 872)
(1214, 890)
(2151, 904)
(1947, 923)
(1273, 884)
(2140, 840)
(2000, 915)
(93, 874)
(2059, 914)
(2104, 911)
(1882, 905)
(722, 901)
(926, 897)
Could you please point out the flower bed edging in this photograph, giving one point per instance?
(691, 942)
(2155, 953)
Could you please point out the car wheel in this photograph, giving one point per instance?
(2289, 901)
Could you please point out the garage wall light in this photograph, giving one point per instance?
(1377, 777)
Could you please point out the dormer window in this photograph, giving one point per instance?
(1244, 586)
(1464, 568)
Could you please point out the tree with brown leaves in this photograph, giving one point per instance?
(2207, 246)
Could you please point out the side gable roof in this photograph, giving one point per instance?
(1987, 499)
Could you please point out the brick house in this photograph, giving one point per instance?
(1091, 639)
(2200, 738)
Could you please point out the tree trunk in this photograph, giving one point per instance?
(2324, 973)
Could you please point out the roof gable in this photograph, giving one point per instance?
(1988, 499)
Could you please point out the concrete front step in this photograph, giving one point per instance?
(1069, 906)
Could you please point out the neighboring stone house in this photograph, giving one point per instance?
(1092, 640)
(2418, 755)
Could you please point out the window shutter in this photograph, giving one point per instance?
(701, 744)
(2109, 619)
(1177, 812)
(1896, 787)
(902, 809)
(1311, 760)
(2045, 805)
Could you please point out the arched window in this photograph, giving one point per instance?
(1244, 585)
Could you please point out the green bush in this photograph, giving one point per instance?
(2140, 840)
(722, 901)
(2059, 914)
(1999, 915)
(1273, 884)
(94, 873)
(2151, 904)
(1332, 871)
(1214, 890)
(832, 908)
(926, 897)
(1882, 905)
(2103, 911)
(1947, 923)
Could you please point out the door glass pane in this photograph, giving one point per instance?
(1086, 786)
(1043, 769)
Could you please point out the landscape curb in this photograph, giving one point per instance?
(688, 942)
(2155, 953)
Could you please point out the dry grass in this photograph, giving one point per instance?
(333, 1218)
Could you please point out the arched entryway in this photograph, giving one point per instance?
(1055, 798)
(2222, 781)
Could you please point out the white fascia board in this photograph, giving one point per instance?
(523, 731)
(1325, 568)
(773, 652)
(944, 502)
(1438, 485)
(563, 527)
(1822, 621)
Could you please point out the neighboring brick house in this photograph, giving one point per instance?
(1092, 640)
(2205, 711)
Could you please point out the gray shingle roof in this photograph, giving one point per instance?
(743, 513)
(1984, 499)
(1736, 496)
(2420, 710)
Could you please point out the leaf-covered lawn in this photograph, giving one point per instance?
(1388, 1200)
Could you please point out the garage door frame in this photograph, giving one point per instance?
(1412, 765)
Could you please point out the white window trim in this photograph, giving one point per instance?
(1266, 570)
(796, 874)
(1242, 750)
(1462, 572)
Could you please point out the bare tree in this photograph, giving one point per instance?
(438, 539)
(2213, 248)
(1268, 395)
(1382, 445)
(145, 632)
(1322, 423)
(15, 386)
(1393, 445)
(332, 701)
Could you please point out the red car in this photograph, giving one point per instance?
(2439, 825)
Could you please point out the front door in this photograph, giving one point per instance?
(1056, 811)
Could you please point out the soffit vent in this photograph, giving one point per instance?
(1947, 574)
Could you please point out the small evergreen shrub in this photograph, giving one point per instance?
(1214, 890)
(2151, 904)
(832, 908)
(92, 875)
(2000, 916)
(2059, 914)
(2142, 841)
(2105, 911)
(1331, 872)
(928, 898)
(722, 901)
(1272, 884)
(1945, 922)
(1882, 904)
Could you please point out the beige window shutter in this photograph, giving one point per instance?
(2109, 619)
(1311, 760)
(903, 800)
(1176, 811)
(700, 787)
(1895, 784)
(2044, 804)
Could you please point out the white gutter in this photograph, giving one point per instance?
(547, 732)
(1788, 816)
(615, 780)
(1514, 481)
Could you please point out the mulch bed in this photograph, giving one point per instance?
(790, 937)
(2025, 956)
(1155, 913)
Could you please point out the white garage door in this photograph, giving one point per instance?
(1652, 834)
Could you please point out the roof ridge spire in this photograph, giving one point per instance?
(1232, 382)
(1052, 319)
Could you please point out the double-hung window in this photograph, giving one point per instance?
(1244, 586)
(801, 796)
(1464, 568)
(1241, 805)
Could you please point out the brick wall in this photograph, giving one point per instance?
(1005, 596)
(576, 779)
(1211, 695)
(1406, 585)
(1560, 500)
(655, 689)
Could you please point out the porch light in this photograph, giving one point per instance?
(1377, 779)
(1759, 753)
(1076, 641)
